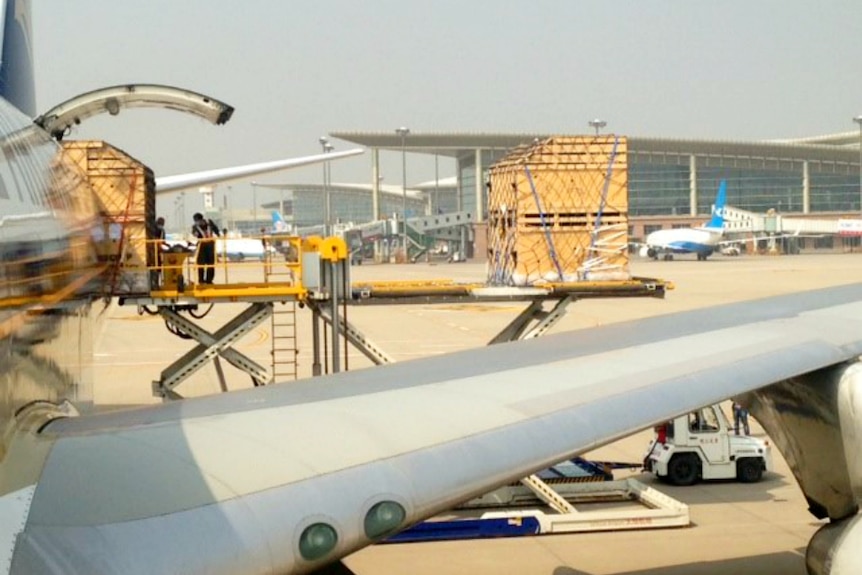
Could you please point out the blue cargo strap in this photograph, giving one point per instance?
(608, 174)
(551, 250)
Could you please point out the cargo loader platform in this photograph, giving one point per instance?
(643, 508)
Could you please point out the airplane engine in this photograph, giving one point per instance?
(850, 417)
(836, 548)
(816, 422)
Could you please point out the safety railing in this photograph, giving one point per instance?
(159, 266)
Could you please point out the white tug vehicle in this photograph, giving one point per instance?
(702, 445)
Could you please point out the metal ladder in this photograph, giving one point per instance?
(283, 335)
(282, 326)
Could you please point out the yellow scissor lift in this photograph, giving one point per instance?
(313, 272)
(282, 272)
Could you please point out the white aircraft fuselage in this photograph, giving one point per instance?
(701, 241)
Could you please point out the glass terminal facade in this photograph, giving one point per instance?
(306, 204)
(668, 177)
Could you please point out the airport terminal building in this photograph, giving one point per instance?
(671, 182)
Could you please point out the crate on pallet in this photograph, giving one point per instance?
(558, 212)
(124, 190)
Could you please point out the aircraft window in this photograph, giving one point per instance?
(317, 540)
(382, 518)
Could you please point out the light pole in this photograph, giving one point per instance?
(328, 196)
(858, 120)
(324, 144)
(178, 215)
(435, 209)
(597, 124)
(183, 208)
(254, 206)
(402, 131)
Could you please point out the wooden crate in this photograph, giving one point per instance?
(558, 211)
(124, 190)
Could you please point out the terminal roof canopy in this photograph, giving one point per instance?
(835, 147)
(441, 143)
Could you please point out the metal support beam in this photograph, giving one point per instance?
(692, 185)
(315, 340)
(480, 187)
(333, 302)
(547, 494)
(375, 184)
(211, 346)
(368, 348)
(519, 328)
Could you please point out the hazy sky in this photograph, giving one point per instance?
(296, 70)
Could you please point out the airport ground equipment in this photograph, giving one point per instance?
(314, 272)
(211, 346)
(650, 509)
(702, 445)
(299, 278)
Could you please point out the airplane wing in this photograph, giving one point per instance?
(192, 180)
(289, 477)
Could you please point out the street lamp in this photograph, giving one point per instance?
(597, 124)
(858, 120)
(402, 131)
(327, 147)
(254, 206)
(329, 217)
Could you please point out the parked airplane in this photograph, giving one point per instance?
(702, 241)
(278, 223)
(239, 249)
(290, 478)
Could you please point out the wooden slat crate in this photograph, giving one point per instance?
(124, 190)
(558, 211)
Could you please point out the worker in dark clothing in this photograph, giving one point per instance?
(740, 418)
(205, 231)
(158, 243)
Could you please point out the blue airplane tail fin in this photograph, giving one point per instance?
(717, 220)
(278, 223)
(17, 84)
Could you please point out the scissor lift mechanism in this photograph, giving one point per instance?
(211, 347)
(318, 279)
(312, 256)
